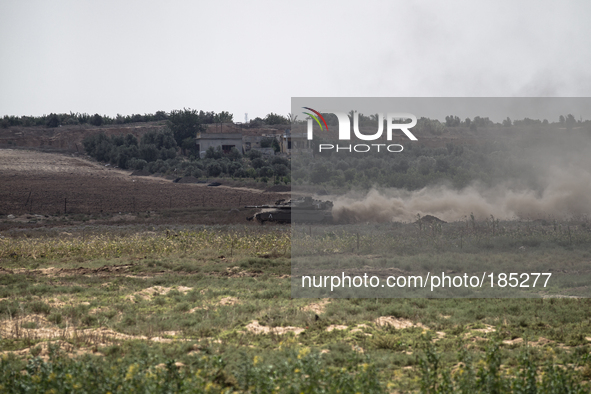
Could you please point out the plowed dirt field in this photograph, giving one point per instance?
(50, 183)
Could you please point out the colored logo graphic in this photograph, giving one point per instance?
(315, 118)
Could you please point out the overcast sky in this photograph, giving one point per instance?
(251, 57)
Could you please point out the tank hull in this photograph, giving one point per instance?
(304, 210)
(289, 216)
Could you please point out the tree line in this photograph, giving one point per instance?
(516, 158)
(202, 117)
(157, 152)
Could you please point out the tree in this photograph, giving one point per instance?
(275, 145)
(280, 170)
(267, 142)
(258, 163)
(189, 147)
(214, 169)
(280, 160)
(96, 120)
(452, 121)
(224, 117)
(253, 154)
(266, 171)
(212, 153)
(91, 142)
(184, 124)
(162, 139)
(570, 121)
(272, 119)
(234, 167)
(160, 115)
(53, 120)
(234, 154)
(148, 152)
(130, 140)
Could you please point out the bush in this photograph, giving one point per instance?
(265, 171)
(131, 140)
(241, 173)
(103, 151)
(234, 154)
(252, 173)
(52, 121)
(273, 119)
(258, 163)
(253, 154)
(120, 149)
(212, 153)
(280, 170)
(166, 154)
(488, 378)
(162, 139)
(214, 169)
(187, 171)
(267, 142)
(39, 307)
(96, 120)
(137, 164)
(148, 153)
(305, 371)
(185, 124)
(233, 167)
(280, 160)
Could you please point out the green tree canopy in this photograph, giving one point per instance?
(273, 118)
(184, 124)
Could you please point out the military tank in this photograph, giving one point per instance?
(302, 210)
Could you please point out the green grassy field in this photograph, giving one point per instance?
(209, 309)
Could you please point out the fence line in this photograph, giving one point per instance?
(30, 201)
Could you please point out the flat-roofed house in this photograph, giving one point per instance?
(223, 141)
(295, 143)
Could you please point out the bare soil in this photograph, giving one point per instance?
(33, 182)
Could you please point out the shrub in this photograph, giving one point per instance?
(233, 167)
(253, 154)
(252, 173)
(214, 169)
(52, 121)
(273, 119)
(266, 171)
(241, 173)
(149, 153)
(280, 160)
(212, 153)
(258, 163)
(137, 164)
(267, 142)
(280, 170)
(96, 120)
(39, 307)
(234, 154)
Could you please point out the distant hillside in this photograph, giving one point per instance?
(68, 138)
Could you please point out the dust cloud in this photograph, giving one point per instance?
(564, 198)
(559, 187)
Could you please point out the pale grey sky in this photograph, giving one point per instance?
(143, 56)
